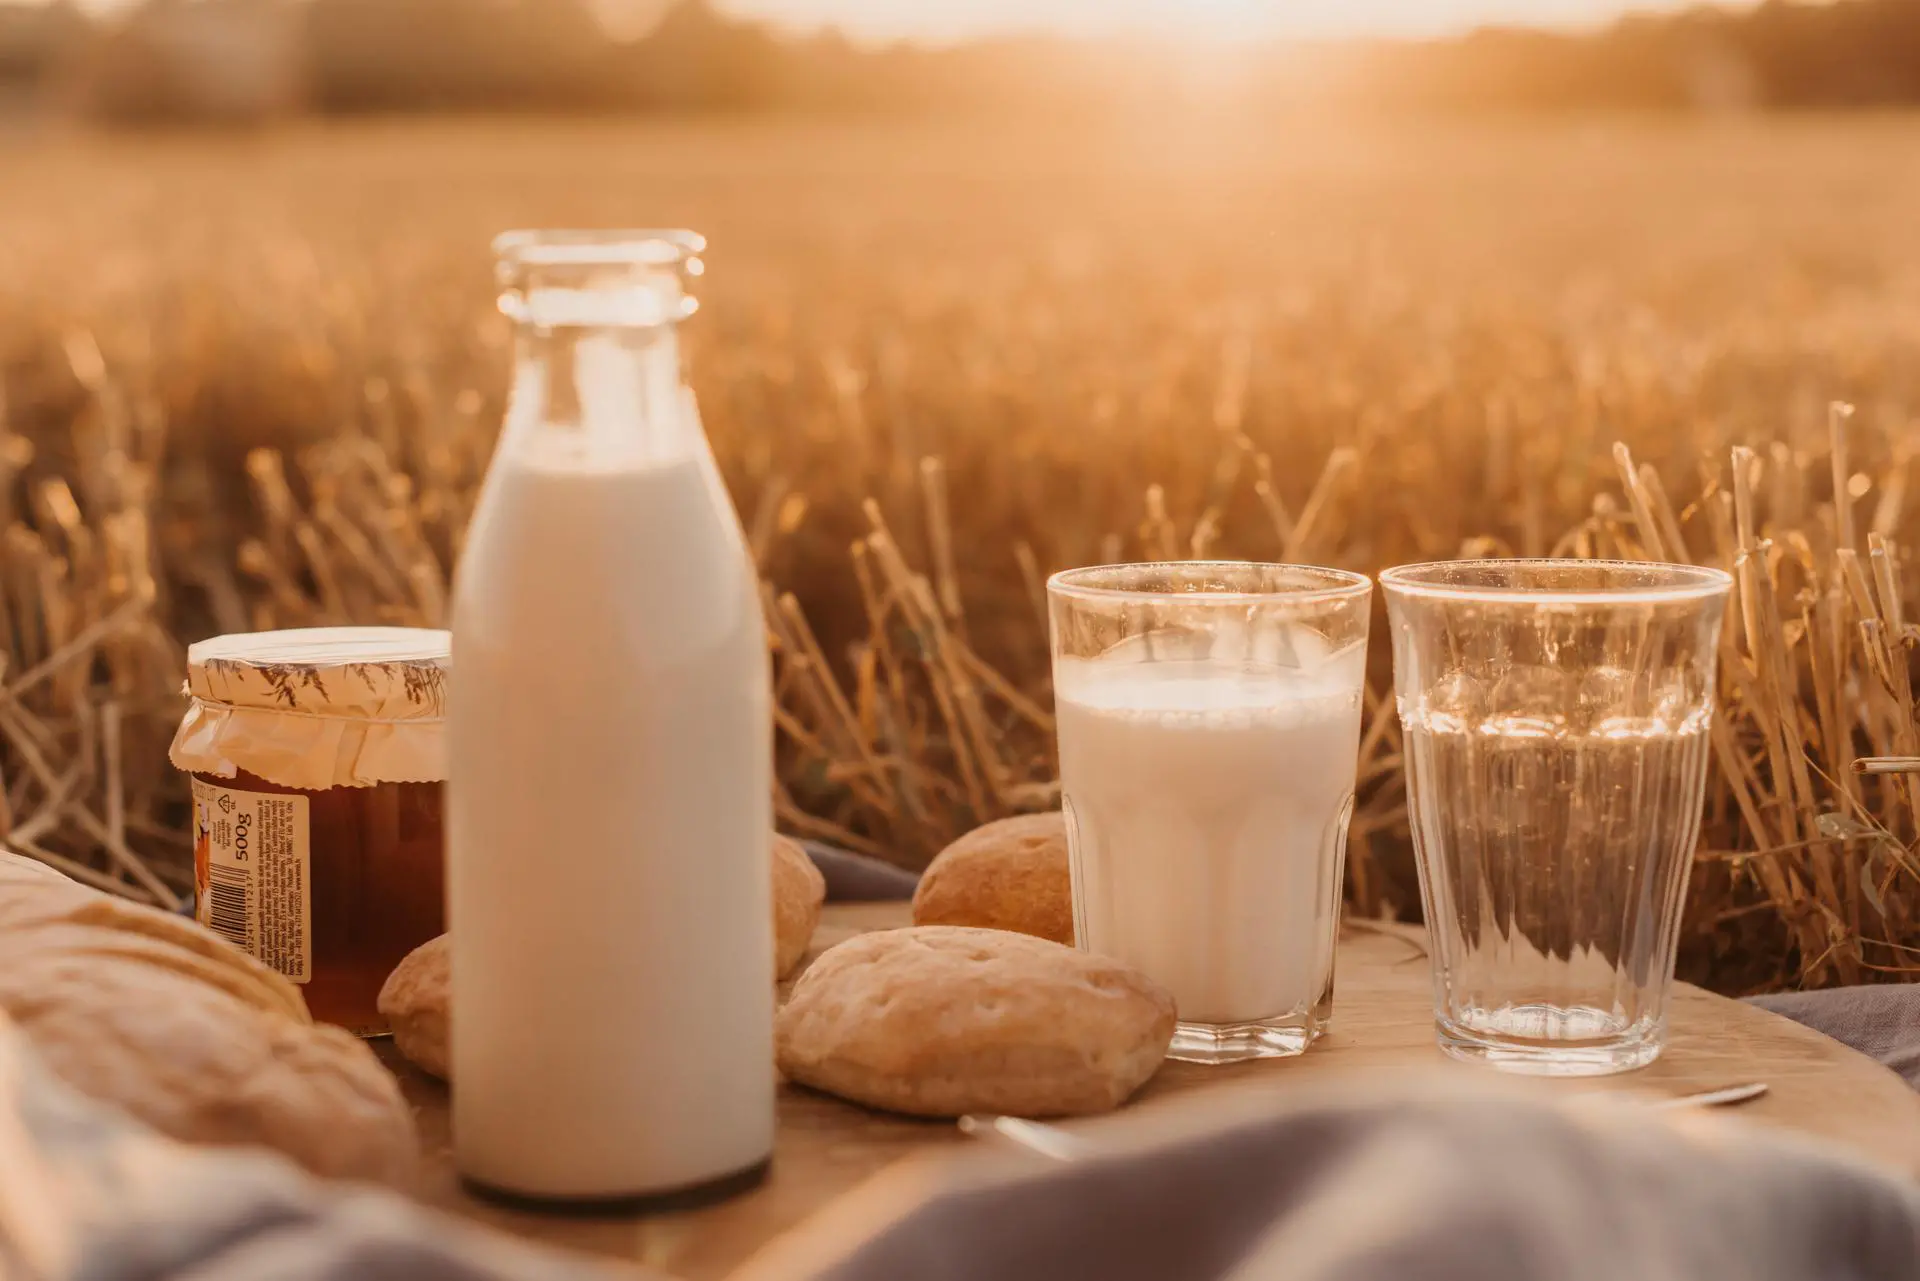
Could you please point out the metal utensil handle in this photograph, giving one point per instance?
(1716, 1098)
(1046, 1140)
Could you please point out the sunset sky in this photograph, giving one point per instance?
(947, 20)
(958, 19)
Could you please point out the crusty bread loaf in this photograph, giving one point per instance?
(944, 1020)
(42, 909)
(417, 998)
(152, 1014)
(202, 1067)
(31, 892)
(1008, 875)
(18, 867)
(798, 892)
(183, 949)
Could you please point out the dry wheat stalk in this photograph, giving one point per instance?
(280, 418)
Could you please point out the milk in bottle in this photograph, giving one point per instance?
(611, 749)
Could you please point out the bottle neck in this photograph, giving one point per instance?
(601, 392)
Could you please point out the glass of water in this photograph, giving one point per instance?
(1209, 721)
(1556, 717)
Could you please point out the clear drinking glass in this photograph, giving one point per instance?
(1209, 722)
(1556, 716)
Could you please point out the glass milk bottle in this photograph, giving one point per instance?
(610, 738)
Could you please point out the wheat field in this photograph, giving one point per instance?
(251, 381)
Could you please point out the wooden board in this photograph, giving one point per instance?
(1382, 1027)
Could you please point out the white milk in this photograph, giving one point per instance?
(1208, 809)
(608, 883)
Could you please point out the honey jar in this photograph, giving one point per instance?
(318, 764)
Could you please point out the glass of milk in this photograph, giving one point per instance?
(1209, 723)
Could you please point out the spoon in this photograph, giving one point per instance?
(1056, 1144)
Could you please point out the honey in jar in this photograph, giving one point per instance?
(317, 764)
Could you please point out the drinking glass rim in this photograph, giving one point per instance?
(1684, 582)
(1342, 584)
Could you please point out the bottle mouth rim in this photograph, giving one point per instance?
(1534, 581)
(562, 247)
(617, 278)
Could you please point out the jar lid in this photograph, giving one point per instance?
(320, 707)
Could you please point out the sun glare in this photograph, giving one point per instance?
(1225, 19)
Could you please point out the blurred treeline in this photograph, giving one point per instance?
(1841, 53)
(249, 58)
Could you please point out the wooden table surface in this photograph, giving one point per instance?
(1382, 1027)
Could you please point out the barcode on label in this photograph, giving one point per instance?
(251, 875)
(227, 905)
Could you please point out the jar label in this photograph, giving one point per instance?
(250, 871)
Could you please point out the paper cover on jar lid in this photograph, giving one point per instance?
(317, 708)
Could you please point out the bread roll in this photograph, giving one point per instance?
(416, 1001)
(943, 1020)
(798, 892)
(1009, 875)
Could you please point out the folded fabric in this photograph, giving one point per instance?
(88, 1195)
(1881, 1022)
(856, 878)
(1421, 1188)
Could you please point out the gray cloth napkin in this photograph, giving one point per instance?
(1880, 1022)
(1425, 1189)
(88, 1195)
(855, 878)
